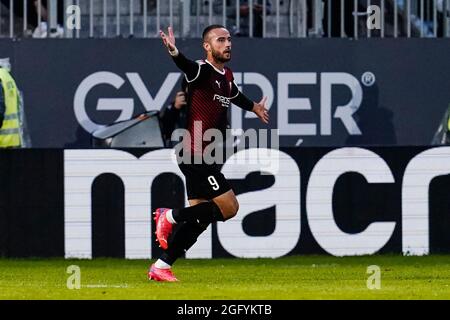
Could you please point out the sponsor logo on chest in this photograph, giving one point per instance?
(223, 100)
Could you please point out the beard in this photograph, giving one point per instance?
(219, 57)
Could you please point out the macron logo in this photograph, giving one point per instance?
(218, 83)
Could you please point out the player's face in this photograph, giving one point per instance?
(220, 45)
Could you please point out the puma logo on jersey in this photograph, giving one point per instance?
(218, 83)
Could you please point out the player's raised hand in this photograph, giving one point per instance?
(260, 110)
(168, 39)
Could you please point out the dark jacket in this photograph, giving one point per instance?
(172, 118)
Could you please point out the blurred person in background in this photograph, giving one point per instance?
(174, 115)
(10, 124)
(41, 30)
(244, 13)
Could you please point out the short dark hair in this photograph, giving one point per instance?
(209, 28)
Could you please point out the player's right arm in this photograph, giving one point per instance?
(189, 67)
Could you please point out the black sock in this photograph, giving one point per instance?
(182, 240)
(203, 213)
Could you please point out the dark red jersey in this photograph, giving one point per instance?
(210, 94)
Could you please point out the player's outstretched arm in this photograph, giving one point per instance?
(190, 68)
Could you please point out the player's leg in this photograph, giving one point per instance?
(221, 208)
(189, 231)
(202, 213)
(225, 205)
(185, 235)
(183, 239)
(228, 204)
(202, 182)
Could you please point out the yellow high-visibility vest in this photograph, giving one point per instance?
(10, 130)
(448, 123)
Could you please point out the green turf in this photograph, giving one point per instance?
(301, 277)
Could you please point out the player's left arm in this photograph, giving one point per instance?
(239, 99)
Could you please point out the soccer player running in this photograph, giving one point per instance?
(211, 90)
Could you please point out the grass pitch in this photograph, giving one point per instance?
(300, 277)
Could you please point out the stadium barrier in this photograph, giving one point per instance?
(338, 201)
(271, 18)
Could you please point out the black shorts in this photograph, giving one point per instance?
(204, 181)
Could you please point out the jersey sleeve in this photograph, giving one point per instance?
(239, 99)
(190, 68)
